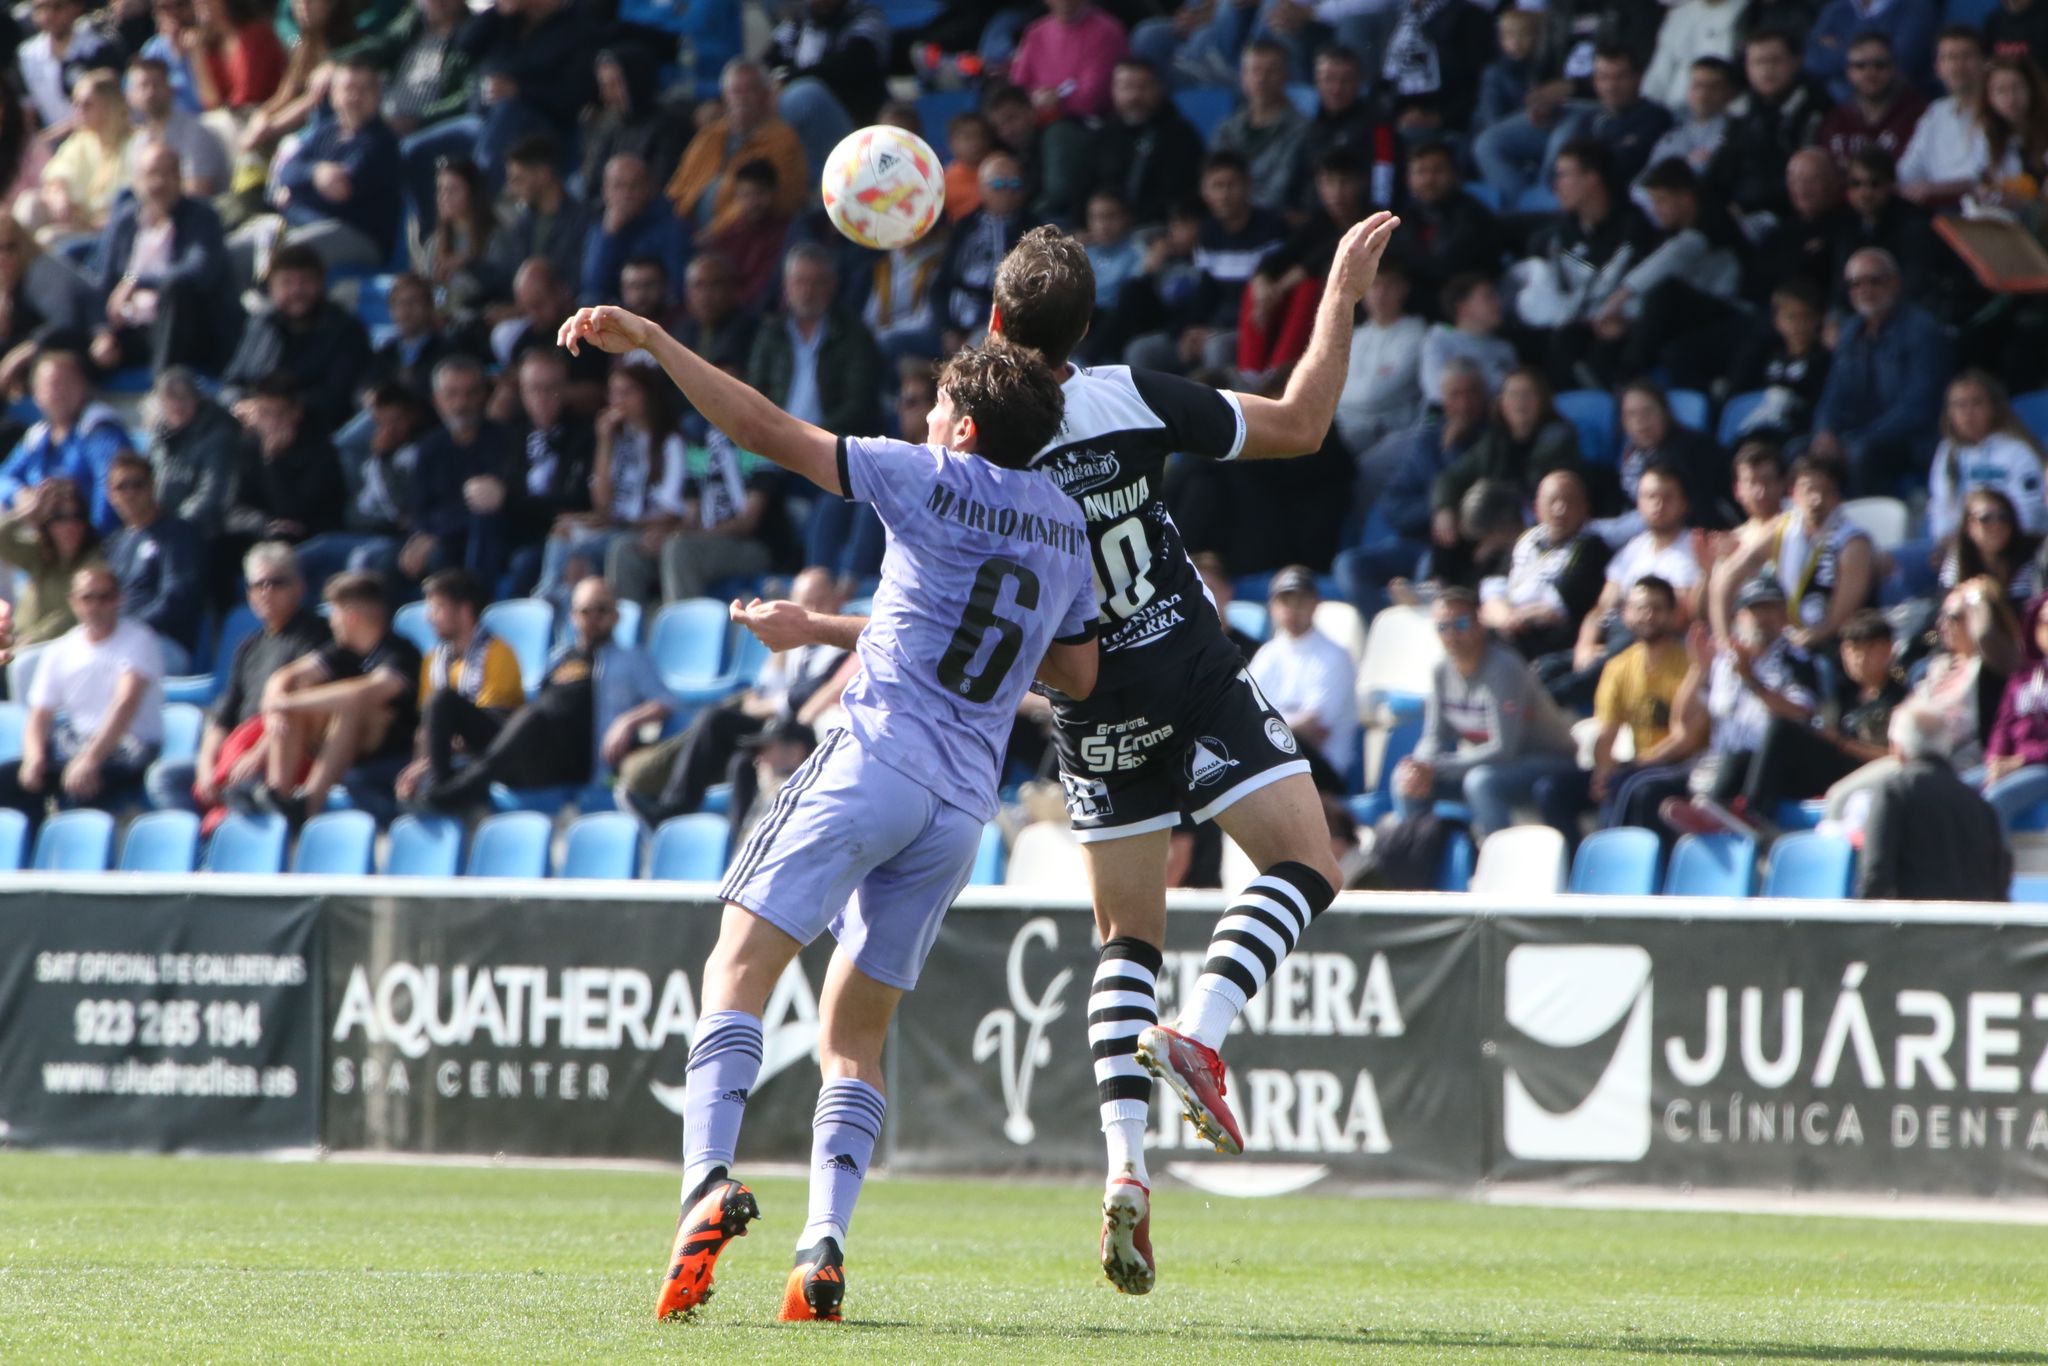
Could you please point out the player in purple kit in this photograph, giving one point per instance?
(987, 580)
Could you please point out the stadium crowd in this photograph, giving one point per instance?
(1681, 403)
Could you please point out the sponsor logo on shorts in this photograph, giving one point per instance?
(1087, 798)
(1208, 761)
(1121, 746)
(1280, 735)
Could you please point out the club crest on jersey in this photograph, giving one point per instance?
(1208, 761)
(1277, 732)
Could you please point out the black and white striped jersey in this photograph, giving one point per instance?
(1110, 455)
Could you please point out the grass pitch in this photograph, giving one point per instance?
(143, 1259)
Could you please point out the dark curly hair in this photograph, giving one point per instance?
(1045, 293)
(1013, 397)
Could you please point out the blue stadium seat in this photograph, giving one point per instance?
(1793, 816)
(527, 625)
(1711, 865)
(13, 839)
(989, 858)
(605, 844)
(195, 690)
(1456, 873)
(1252, 618)
(1734, 413)
(1537, 199)
(1402, 737)
(1971, 12)
(689, 849)
(511, 844)
(424, 846)
(2032, 411)
(626, 630)
(410, 621)
(688, 647)
(935, 108)
(1205, 106)
(136, 379)
(2031, 889)
(13, 719)
(1304, 96)
(1592, 412)
(595, 796)
(337, 844)
(717, 799)
(237, 626)
(1617, 862)
(748, 655)
(1484, 193)
(373, 300)
(247, 844)
(161, 842)
(1688, 408)
(182, 724)
(1810, 866)
(80, 841)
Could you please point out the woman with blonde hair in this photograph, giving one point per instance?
(82, 178)
(1983, 444)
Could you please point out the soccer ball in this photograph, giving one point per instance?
(883, 187)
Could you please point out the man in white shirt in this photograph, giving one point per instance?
(95, 707)
(1306, 676)
(63, 48)
(1947, 151)
(1692, 30)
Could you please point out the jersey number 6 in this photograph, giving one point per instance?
(978, 621)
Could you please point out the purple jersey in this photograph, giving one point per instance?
(985, 568)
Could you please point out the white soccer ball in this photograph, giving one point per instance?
(883, 187)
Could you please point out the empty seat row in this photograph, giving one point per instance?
(1529, 860)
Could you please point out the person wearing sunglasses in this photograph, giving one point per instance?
(964, 286)
(1883, 397)
(1882, 107)
(158, 561)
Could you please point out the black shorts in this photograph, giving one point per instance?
(1194, 737)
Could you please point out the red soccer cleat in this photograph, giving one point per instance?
(1195, 1073)
(1127, 1236)
(720, 1214)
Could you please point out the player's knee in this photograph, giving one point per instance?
(843, 1056)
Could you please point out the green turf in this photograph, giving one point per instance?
(138, 1259)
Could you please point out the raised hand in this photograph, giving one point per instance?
(780, 625)
(605, 327)
(1358, 256)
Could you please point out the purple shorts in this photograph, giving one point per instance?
(856, 847)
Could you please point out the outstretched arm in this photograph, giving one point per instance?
(783, 625)
(1297, 422)
(753, 423)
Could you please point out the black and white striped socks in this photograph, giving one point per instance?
(1261, 927)
(1122, 1001)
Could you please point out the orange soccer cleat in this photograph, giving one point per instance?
(816, 1284)
(720, 1213)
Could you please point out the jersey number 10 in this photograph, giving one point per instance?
(1124, 582)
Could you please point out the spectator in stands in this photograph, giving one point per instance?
(1946, 152)
(831, 57)
(1505, 83)
(964, 285)
(95, 708)
(1882, 108)
(1652, 436)
(969, 138)
(816, 362)
(323, 28)
(755, 239)
(1983, 445)
(1878, 217)
(429, 77)
(231, 745)
(62, 50)
(794, 687)
(1688, 283)
(636, 483)
(1278, 308)
(1778, 115)
(43, 303)
(163, 275)
(534, 69)
(76, 438)
(319, 344)
(1431, 61)
(544, 220)
(459, 481)
(1516, 152)
(1267, 131)
(846, 537)
(339, 189)
(1145, 148)
(1490, 736)
(1665, 547)
(1309, 678)
(1620, 117)
(1990, 544)
(235, 57)
(1382, 386)
(1234, 237)
(158, 562)
(2016, 754)
(192, 451)
(1554, 577)
(585, 720)
(1346, 122)
(1524, 442)
(46, 538)
(2014, 117)
(288, 481)
(1694, 31)
(464, 223)
(1823, 564)
(202, 161)
(469, 686)
(1405, 504)
(89, 169)
(542, 298)
(558, 447)
(416, 344)
(746, 129)
(1065, 60)
(1883, 396)
(768, 760)
(1787, 364)
(1907, 27)
(713, 324)
(636, 222)
(1472, 309)
(1580, 259)
(1759, 492)
(378, 518)
(351, 704)
(732, 525)
(170, 19)
(1638, 692)
(628, 116)
(644, 288)
(1703, 113)
(1801, 244)
(2018, 28)
(1929, 836)
(1445, 231)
